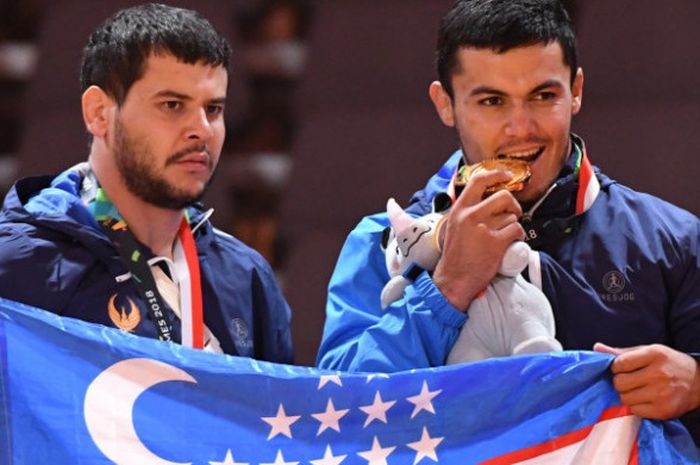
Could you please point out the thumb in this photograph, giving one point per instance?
(606, 349)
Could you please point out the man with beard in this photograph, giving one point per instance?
(621, 269)
(121, 239)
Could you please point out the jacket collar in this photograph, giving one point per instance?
(560, 202)
(560, 199)
(54, 202)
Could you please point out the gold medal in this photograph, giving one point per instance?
(520, 170)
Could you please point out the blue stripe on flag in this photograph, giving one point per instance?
(82, 394)
(5, 429)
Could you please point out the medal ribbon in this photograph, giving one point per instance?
(588, 184)
(191, 291)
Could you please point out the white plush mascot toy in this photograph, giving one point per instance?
(510, 317)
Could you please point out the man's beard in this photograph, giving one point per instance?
(144, 180)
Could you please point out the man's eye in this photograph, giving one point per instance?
(545, 96)
(215, 109)
(172, 105)
(491, 101)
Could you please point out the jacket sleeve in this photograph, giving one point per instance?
(35, 270)
(275, 315)
(685, 315)
(416, 331)
(684, 280)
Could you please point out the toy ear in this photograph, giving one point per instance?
(441, 203)
(386, 237)
(516, 259)
(399, 219)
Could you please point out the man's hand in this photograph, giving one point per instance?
(476, 237)
(656, 381)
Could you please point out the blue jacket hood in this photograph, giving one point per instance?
(53, 202)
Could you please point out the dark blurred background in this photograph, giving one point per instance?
(328, 114)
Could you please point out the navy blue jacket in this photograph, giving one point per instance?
(651, 247)
(54, 255)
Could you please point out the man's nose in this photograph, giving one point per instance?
(520, 122)
(199, 127)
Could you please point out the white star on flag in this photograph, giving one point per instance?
(372, 376)
(228, 460)
(377, 410)
(423, 401)
(328, 458)
(425, 447)
(376, 455)
(329, 418)
(325, 379)
(280, 423)
(279, 460)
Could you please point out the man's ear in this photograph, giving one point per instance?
(97, 110)
(443, 103)
(577, 92)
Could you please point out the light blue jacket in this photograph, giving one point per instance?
(651, 245)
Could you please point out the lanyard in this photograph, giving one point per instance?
(135, 261)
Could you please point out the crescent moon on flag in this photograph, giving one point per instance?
(109, 404)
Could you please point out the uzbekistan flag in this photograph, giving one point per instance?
(76, 393)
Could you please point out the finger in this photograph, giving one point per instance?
(606, 349)
(473, 192)
(511, 233)
(641, 409)
(627, 359)
(641, 400)
(651, 411)
(628, 382)
(633, 359)
(485, 211)
(501, 220)
(503, 202)
(640, 395)
(645, 403)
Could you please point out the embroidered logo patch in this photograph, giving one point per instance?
(614, 283)
(126, 321)
(241, 335)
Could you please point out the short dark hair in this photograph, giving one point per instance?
(115, 55)
(502, 25)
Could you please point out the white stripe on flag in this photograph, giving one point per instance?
(610, 442)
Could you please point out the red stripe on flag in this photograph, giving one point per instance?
(560, 442)
(634, 456)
